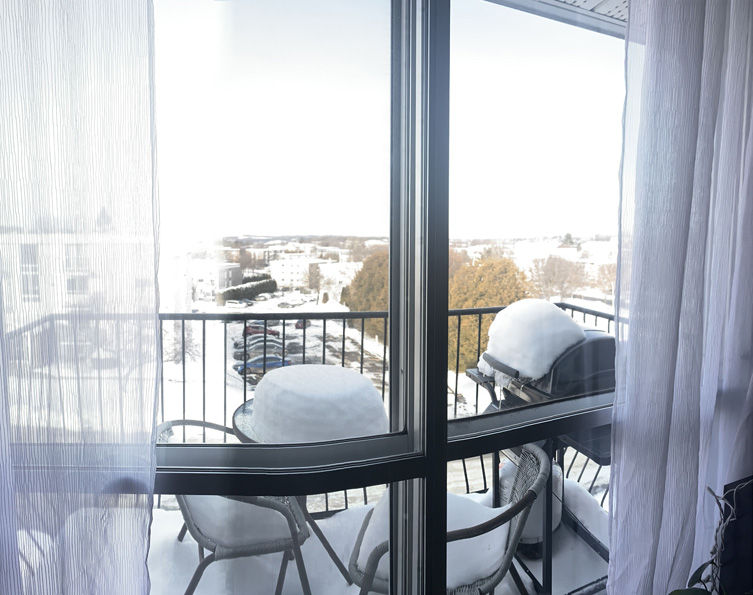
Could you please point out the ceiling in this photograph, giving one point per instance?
(604, 16)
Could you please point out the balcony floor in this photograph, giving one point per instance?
(172, 563)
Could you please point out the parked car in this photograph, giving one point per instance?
(258, 364)
(269, 322)
(258, 329)
(299, 324)
(253, 350)
(236, 304)
(254, 340)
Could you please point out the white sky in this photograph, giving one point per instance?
(273, 119)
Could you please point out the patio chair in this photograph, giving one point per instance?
(492, 535)
(238, 527)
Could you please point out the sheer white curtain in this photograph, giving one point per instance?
(78, 301)
(683, 417)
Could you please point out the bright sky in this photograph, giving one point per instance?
(273, 119)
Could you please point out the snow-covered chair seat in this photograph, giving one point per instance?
(239, 527)
(489, 536)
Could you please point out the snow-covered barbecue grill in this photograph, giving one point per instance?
(537, 352)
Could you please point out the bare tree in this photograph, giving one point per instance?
(557, 276)
(607, 276)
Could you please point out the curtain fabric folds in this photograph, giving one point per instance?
(79, 331)
(683, 415)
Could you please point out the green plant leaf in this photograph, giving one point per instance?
(695, 578)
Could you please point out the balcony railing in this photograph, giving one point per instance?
(190, 386)
(199, 383)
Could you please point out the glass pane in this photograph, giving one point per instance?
(536, 111)
(273, 121)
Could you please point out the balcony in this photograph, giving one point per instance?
(199, 383)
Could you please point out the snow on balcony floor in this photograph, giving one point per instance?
(172, 563)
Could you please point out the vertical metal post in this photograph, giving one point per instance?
(342, 349)
(324, 339)
(204, 378)
(548, 500)
(183, 360)
(224, 380)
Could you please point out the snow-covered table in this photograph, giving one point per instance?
(311, 403)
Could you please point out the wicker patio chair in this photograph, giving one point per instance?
(238, 527)
(492, 531)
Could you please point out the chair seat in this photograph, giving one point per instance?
(468, 560)
(233, 524)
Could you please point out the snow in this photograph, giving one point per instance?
(528, 336)
(471, 398)
(172, 563)
(587, 510)
(313, 403)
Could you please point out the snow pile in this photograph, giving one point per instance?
(587, 510)
(314, 403)
(529, 336)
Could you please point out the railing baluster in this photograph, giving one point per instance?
(264, 350)
(363, 321)
(572, 461)
(162, 369)
(583, 469)
(465, 474)
(483, 471)
(304, 344)
(596, 475)
(224, 384)
(342, 351)
(324, 339)
(384, 357)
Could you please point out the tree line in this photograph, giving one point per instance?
(492, 280)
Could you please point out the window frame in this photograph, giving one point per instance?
(414, 456)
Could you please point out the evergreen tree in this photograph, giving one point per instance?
(369, 290)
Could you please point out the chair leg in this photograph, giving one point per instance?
(197, 574)
(518, 581)
(182, 533)
(301, 568)
(201, 554)
(286, 555)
